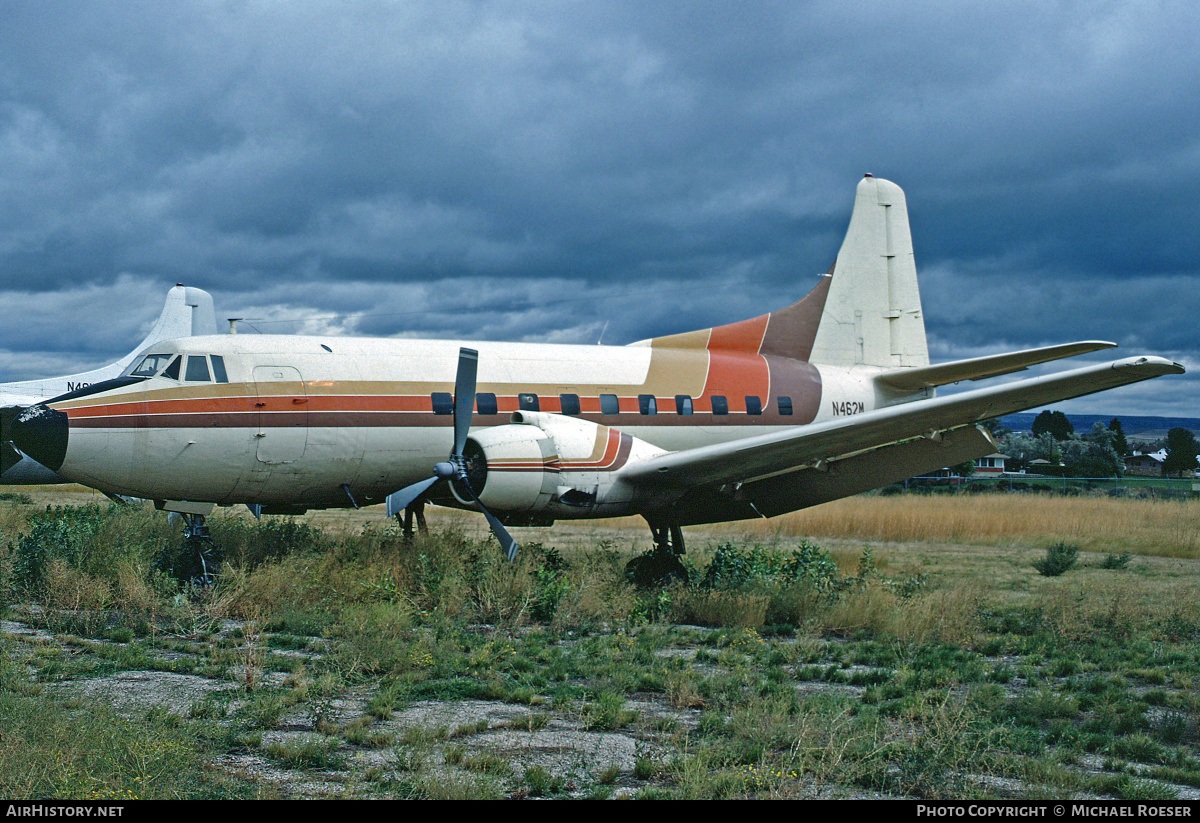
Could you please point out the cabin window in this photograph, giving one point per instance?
(569, 403)
(443, 402)
(683, 404)
(172, 371)
(150, 365)
(785, 405)
(609, 404)
(647, 404)
(218, 366)
(527, 401)
(197, 369)
(753, 404)
(485, 403)
(719, 404)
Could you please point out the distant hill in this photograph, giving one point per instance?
(1139, 427)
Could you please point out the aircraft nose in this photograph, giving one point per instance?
(41, 432)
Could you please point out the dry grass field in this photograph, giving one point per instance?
(914, 652)
(1097, 524)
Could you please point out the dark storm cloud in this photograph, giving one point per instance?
(561, 171)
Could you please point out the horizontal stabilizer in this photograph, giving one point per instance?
(753, 458)
(979, 368)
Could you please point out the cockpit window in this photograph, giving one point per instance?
(218, 364)
(197, 368)
(150, 365)
(172, 371)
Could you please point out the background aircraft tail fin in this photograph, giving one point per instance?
(188, 312)
(872, 312)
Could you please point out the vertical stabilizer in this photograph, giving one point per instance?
(872, 313)
(188, 312)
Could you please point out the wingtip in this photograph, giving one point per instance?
(1158, 365)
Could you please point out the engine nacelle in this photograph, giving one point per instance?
(551, 464)
(511, 468)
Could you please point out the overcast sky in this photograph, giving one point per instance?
(563, 171)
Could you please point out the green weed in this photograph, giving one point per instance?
(1115, 561)
(1059, 558)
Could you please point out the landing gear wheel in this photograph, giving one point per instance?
(660, 566)
(207, 565)
(197, 561)
(655, 569)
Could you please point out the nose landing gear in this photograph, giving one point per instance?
(197, 561)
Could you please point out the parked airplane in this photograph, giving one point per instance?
(831, 396)
(187, 312)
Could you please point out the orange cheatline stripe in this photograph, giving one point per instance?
(732, 366)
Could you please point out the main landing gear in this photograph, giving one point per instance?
(413, 511)
(660, 566)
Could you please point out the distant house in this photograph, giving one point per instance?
(1045, 467)
(1145, 465)
(992, 464)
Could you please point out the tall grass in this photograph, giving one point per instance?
(822, 674)
(1163, 528)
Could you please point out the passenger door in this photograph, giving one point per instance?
(282, 414)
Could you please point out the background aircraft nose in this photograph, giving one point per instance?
(41, 432)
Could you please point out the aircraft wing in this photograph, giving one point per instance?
(816, 446)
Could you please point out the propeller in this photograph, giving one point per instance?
(455, 468)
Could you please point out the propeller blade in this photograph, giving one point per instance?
(399, 501)
(464, 396)
(505, 539)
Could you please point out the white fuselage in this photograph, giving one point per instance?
(314, 422)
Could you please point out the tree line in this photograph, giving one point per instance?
(1100, 452)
